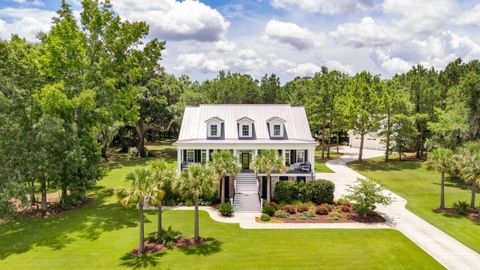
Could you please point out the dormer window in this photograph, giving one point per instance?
(276, 130)
(214, 128)
(276, 127)
(245, 130)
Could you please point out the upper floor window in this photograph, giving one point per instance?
(214, 127)
(214, 130)
(276, 130)
(245, 130)
(276, 127)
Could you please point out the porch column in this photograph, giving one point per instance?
(235, 154)
(311, 158)
(283, 157)
(207, 156)
(179, 160)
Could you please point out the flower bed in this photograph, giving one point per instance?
(155, 247)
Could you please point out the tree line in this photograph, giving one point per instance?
(93, 80)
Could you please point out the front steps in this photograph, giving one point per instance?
(246, 193)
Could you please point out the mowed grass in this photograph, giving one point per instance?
(320, 166)
(101, 235)
(411, 180)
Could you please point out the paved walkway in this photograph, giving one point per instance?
(448, 251)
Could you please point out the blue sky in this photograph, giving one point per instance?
(287, 37)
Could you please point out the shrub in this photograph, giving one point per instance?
(284, 191)
(328, 206)
(307, 215)
(460, 208)
(344, 201)
(319, 191)
(281, 214)
(226, 209)
(274, 205)
(265, 217)
(296, 203)
(289, 209)
(321, 210)
(268, 209)
(133, 152)
(366, 195)
(336, 215)
(344, 208)
(188, 203)
(168, 235)
(303, 207)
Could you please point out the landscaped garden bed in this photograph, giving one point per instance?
(169, 239)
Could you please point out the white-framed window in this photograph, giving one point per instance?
(214, 130)
(276, 130)
(300, 156)
(203, 156)
(190, 156)
(245, 130)
(287, 157)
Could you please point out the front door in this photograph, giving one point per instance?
(245, 161)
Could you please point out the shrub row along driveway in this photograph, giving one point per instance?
(445, 249)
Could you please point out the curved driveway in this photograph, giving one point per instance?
(445, 249)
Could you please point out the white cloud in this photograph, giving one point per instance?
(225, 46)
(366, 33)
(326, 6)
(470, 17)
(26, 22)
(391, 64)
(336, 65)
(176, 20)
(304, 69)
(199, 62)
(291, 34)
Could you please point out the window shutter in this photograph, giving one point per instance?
(184, 155)
(306, 155)
(197, 156)
(293, 156)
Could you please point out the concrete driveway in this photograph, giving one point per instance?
(448, 251)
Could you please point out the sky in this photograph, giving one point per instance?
(287, 37)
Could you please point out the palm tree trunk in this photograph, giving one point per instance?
(159, 223)
(474, 190)
(442, 192)
(222, 190)
(196, 230)
(142, 229)
(269, 188)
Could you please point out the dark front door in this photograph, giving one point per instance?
(264, 187)
(227, 187)
(245, 161)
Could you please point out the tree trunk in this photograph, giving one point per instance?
(159, 223)
(43, 187)
(141, 139)
(104, 151)
(196, 231)
(387, 138)
(360, 153)
(142, 229)
(323, 145)
(269, 188)
(442, 192)
(64, 192)
(33, 200)
(329, 142)
(338, 140)
(222, 190)
(473, 188)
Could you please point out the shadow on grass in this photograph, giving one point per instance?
(209, 247)
(146, 261)
(88, 222)
(392, 165)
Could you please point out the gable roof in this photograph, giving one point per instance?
(194, 128)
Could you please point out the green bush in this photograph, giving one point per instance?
(273, 204)
(319, 191)
(336, 215)
(344, 201)
(268, 209)
(284, 191)
(265, 217)
(460, 208)
(188, 203)
(307, 215)
(226, 209)
(289, 209)
(366, 195)
(303, 207)
(167, 236)
(281, 214)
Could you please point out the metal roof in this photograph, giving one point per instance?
(194, 128)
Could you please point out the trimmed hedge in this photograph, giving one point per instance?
(316, 191)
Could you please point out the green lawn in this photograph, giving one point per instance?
(320, 166)
(101, 234)
(421, 188)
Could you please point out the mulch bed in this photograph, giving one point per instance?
(472, 213)
(345, 217)
(154, 247)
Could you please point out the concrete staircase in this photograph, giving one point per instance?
(246, 193)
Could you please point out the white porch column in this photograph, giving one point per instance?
(311, 157)
(207, 156)
(283, 156)
(235, 154)
(256, 152)
(179, 160)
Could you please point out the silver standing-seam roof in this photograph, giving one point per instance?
(194, 128)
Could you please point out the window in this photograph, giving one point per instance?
(203, 156)
(287, 157)
(300, 156)
(276, 130)
(245, 131)
(214, 130)
(190, 156)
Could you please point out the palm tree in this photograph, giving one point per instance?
(223, 164)
(194, 183)
(267, 161)
(161, 175)
(142, 190)
(468, 164)
(440, 160)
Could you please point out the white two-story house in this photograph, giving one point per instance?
(245, 130)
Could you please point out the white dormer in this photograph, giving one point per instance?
(277, 127)
(245, 127)
(214, 127)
